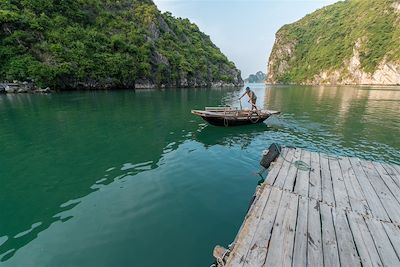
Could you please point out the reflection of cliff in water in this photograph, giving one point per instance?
(60, 148)
(229, 136)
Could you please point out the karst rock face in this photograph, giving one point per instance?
(99, 44)
(350, 42)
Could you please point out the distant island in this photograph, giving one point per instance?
(101, 44)
(259, 77)
(350, 42)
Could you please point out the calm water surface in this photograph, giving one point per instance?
(133, 179)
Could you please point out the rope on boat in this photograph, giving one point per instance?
(250, 116)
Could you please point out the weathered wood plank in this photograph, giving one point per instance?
(390, 184)
(357, 200)
(326, 180)
(314, 248)
(282, 239)
(392, 172)
(382, 243)
(347, 251)
(303, 176)
(362, 237)
(280, 179)
(276, 168)
(300, 240)
(248, 229)
(372, 198)
(329, 243)
(339, 187)
(259, 245)
(393, 232)
(292, 173)
(315, 189)
(389, 202)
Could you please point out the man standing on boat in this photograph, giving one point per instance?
(252, 98)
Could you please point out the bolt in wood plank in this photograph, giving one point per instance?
(347, 251)
(363, 240)
(280, 179)
(382, 243)
(303, 176)
(248, 229)
(315, 189)
(388, 200)
(329, 243)
(292, 173)
(314, 239)
(357, 199)
(300, 240)
(326, 180)
(372, 198)
(259, 245)
(276, 168)
(339, 187)
(280, 251)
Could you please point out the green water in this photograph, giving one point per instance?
(130, 178)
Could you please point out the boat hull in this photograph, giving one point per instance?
(217, 121)
(221, 116)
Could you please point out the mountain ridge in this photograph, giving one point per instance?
(101, 44)
(349, 42)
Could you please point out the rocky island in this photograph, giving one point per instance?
(259, 77)
(100, 44)
(349, 42)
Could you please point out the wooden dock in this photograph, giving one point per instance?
(342, 212)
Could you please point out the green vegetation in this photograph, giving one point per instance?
(104, 43)
(325, 39)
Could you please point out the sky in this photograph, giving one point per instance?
(244, 30)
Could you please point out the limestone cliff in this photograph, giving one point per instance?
(350, 42)
(101, 44)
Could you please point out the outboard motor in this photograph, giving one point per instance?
(270, 155)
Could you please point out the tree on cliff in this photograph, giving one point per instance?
(103, 43)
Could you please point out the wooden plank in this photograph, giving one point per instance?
(259, 245)
(393, 232)
(363, 240)
(300, 240)
(303, 176)
(388, 200)
(248, 229)
(326, 181)
(347, 250)
(315, 189)
(392, 172)
(282, 239)
(357, 200)
(292, 173)
(280, 179)
(276, 168)
(382, 243)
(329, 243)
(314, 238)
(390, 184)
(339, 187)
(372, 198)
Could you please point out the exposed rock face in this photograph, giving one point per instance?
(106, 44)
(360, 44)
(387, 73)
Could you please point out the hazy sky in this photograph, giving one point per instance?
(243, 29)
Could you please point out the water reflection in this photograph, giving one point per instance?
(60, 153)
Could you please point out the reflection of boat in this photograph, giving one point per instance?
(228, 116)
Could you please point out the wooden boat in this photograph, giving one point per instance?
(229, 116)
